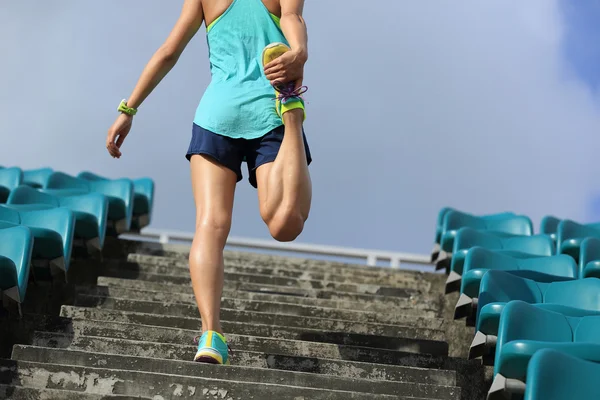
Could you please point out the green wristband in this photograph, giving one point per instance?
(126, 110)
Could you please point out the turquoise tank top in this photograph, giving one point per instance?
(239, 101)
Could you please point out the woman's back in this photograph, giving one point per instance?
(239, 101)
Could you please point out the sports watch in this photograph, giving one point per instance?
(126, 110)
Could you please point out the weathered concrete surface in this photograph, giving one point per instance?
(258, 311)
(179, 277)
(26, 393)
(430, 302)
(337, 332)
(107, 381)
(257, 358)
(397, 278)
(234, 372)
(177, 351)
(249, 301)
(121, 249)
(298, 328)
(249, 350)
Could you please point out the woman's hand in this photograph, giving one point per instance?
(289, 67)
(117, 134)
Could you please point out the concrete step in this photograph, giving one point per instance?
(265, 331)
(252, 351)
(237, 373)
(184, 285)
(181, 252)
(395, 278)
(190, 309)
(248, 299)
(180, 276)
(117, 381)
(26, 393)
(359, 334)
(182, 351)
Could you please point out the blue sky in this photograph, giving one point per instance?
(485, 106)
(582, 39)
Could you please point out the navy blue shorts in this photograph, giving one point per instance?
(231, 152)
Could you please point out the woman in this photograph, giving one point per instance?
(251, 111)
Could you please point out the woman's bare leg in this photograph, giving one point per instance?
(213, 186)
(284, 186)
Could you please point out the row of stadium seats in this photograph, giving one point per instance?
(44, 214)
(534, 299)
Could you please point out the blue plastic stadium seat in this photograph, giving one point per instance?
(504, 223)
(439, 229)
(589, 258)
(16, 245)
(514, 245)
(479, 261)
(499, 287)
(90, 210)
(143, 199)
(52, 230)
(438, 233)
(570, 234)
(525, 329)
(555, 375)
(120, 194)
(549, 226)
(37, 178)
(10, 178)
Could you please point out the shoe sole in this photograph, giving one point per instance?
(270, 46)
(209, 356)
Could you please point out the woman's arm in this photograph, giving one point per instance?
(290, 66)
(167, 55)
(158, 67)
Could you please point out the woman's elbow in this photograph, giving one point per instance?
(292, 16)
(168, 54)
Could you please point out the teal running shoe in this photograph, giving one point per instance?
(212, 348)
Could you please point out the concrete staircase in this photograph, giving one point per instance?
(299, 329)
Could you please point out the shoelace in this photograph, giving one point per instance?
(197, 340)
(287, 91)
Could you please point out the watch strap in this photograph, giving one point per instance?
(126, 110)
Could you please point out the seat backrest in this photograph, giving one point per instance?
(503, 287)
(28, 195)
(11, 177)
(585, 329)
(9, 215)
(60, 180)
(541, 245)
(479, 257)
(590, 251)
(549, 225)
(514, 224)
(90, 176)
(37, 178)
(554, 375)
(502, 222)
(568, 229)
(16, 243)
(145, 187)
(582, 293)
(559, 265)
(522, 321)
(467, 238)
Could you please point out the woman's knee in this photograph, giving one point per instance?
(212, 230)
(286, 226)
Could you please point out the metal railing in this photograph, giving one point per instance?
(370, 257)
